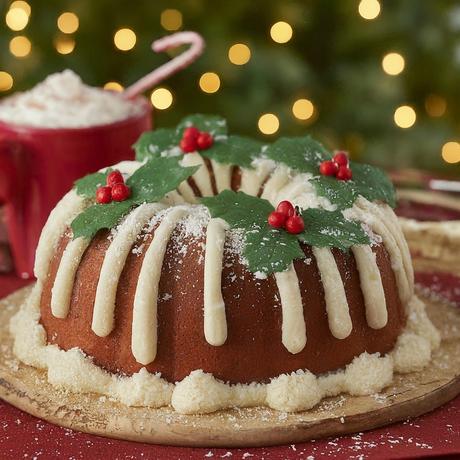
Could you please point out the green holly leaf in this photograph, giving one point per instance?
(235, 150)
(303, 154)
(338, 192)
(153, 143)
(87, 186)
(330, 229)
(213, 124)
(149, 184)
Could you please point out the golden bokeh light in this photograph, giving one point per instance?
(171, 19)
(209, 82)
(20, 46)
(21, 5)
(161, 98)
(124, 39)
(6, 81)
(113, 86)
(16, 19)
(68, 23)
(239, 54)
(451, 152)
(64, 45)
(393, 63)
(303, 109)
(435, 105)
(405, 116)
(268, 123)
(369, 9)
(281, 32)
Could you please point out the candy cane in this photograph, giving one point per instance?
(179, 62)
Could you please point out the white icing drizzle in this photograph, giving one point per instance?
(252, 179)
(114, 262)
(145, 322)
(278, 179)
(59, 219)
(215, 322)
(338, 313)
(202, 177)
(61, 292)
(371, 286)
(187, 192)
(222, 175)
(172, 198)
(294, 334)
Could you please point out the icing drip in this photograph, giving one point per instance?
(58, 220)
(222, 175)
(202, 177)
(215, 322)
(145, 322)
(278, 179)
(294, 334)
(63, 284)
(187, 192)
(114, 261)
(252, 179)
(338, 313)
(371, 286)
(173, 198)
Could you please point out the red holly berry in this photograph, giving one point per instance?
(120, 192)
(294, 224)
(204, 141)
(114, 177)
(104, 195)
(285, 207)
(341, 158)
(328, 168)
(344, 173)
(276, 219)
(188, 145)
(191, 133)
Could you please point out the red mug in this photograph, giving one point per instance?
(39, 165)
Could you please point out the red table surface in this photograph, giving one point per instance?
(436, 434)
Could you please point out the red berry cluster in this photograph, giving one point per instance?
(193, 139)
(115, 190)
(338, 167)
(287, 217)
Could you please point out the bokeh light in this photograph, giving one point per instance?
(303, 109)
(20, 46)
(64, 45)
(369, 9)
(6, 81)
(171, 19)
(281, 32)
(161, 98)
(68, 23)
(405, 116)
(435, 105)
(113, 86)
(21, 5)
(16, 19)
(209, 82)
(239, 54)
(268, 123)
(124, 39)
(451, 152)
(393, 63)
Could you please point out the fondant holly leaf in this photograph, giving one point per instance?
(213, 124)
(153, 143)
(86, 186)
(266, 250)
(149, 184)
(303, 154)
(234, 150)
(330, 229)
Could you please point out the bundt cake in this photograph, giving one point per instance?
(217, 271)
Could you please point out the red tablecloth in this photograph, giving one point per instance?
(432, 435)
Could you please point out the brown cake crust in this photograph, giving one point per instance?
(253, 350)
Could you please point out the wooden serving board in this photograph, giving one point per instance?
(409, 396)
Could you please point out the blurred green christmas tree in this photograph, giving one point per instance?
(380, 79)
